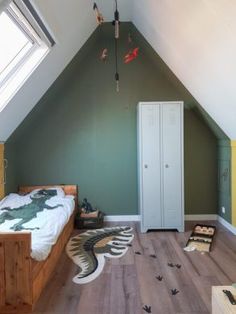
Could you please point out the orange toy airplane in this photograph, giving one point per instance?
(99, 16)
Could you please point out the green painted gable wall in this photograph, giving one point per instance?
(83, 132)
(224, 179)
(200, 166)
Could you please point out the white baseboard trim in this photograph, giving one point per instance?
(201, 217)
(227, 225)
(137, 217)
(122, 218)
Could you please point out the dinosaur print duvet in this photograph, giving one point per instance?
(41, 212)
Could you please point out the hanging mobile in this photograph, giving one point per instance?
(116, 23)
(117, 82)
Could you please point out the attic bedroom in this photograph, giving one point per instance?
(117, 157)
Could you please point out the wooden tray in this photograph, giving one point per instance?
(202, 237)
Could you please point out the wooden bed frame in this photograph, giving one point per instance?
(22, 279)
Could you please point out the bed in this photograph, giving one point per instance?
(22, 278)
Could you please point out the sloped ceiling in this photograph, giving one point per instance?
(71, 23)
(196, 39)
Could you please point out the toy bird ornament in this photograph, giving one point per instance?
(104, 55)
(98, 14)
(133, 54)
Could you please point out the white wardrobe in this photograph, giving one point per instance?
(160, 165)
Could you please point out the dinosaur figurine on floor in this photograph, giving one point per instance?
(28, 211)
(86, 207)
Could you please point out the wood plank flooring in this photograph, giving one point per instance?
(128, 284)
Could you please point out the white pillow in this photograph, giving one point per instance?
(60, 191)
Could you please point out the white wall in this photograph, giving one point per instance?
(71, 22)
(197, 41)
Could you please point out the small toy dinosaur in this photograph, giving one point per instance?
(86, 207)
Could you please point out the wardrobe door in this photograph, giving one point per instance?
(150, 166)
(172, 162)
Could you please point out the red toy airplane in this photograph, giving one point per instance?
(133, 54)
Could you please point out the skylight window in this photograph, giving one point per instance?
(23, 45)
(13, 50)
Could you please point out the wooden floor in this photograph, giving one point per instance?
(129, 283)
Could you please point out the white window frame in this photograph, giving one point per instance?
(16, 74)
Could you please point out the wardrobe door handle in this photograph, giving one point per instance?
(167, 166)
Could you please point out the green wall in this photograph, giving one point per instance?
(224, 163)
(83, 132)
(200, 166)
(224, 179)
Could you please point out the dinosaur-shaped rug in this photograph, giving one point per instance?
(28, 211)
(89, 249)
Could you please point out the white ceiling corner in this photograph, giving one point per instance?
(197, 41)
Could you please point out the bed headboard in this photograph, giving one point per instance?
(68, 189)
